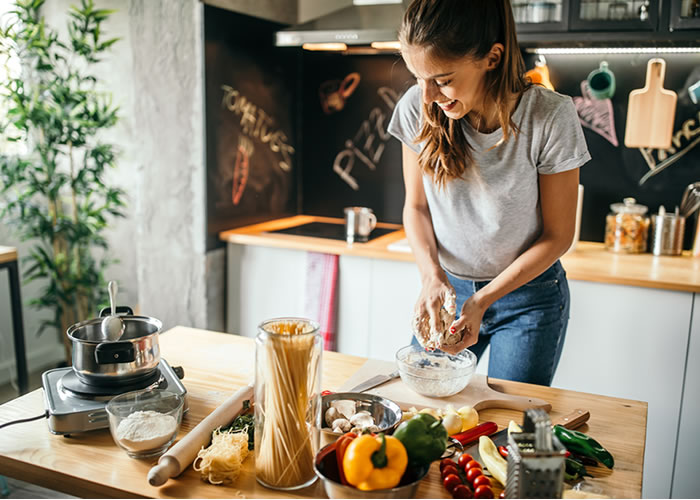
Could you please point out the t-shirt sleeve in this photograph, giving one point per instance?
(564, 143)
(406, 119)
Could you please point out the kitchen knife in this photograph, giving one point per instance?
(373, 382)
(571, 421)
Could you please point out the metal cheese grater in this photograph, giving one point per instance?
(535, 459)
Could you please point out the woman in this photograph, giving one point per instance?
(490, 168)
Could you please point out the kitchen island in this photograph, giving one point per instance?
(634, 328)
(215, 365)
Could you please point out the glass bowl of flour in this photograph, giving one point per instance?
(145, 423)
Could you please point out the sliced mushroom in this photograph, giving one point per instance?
(345, 407)
(332, 414)
(341, 425)
(362, 419)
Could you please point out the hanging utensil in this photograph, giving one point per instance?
(690, 201)
(651, 111)
(112, 326)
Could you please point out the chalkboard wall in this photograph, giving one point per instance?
(251, 108)
(312, 127)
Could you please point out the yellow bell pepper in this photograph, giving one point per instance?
(374, 462)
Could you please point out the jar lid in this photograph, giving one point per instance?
(629, 206)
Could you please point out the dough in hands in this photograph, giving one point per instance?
(433, 339)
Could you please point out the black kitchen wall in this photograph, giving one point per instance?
(348, 158)
(251, 108)
(614, 172)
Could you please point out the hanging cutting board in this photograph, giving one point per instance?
(651, 111)
(477, 394)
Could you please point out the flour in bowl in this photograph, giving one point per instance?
(146, 430)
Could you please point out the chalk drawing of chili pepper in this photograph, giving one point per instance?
(241, 168)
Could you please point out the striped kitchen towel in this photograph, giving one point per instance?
(320, 294)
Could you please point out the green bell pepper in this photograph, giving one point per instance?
(424, 437)
(583, 444)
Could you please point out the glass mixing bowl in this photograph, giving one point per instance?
(145, 423)
(435, 373)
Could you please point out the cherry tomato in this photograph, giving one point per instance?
(472, 464)
(503, 494)
(464, 459)
(445, 462)
(503, 451)
(450, 481)
(473, 473)
(483, 492)
(449, 469)
(462, 491)
(481, 480)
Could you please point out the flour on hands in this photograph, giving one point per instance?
(432, 339)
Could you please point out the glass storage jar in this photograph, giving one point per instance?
(627, 227)
(287, 402)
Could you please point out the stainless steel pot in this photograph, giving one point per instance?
(99, 362)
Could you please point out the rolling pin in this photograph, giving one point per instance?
(177, 458)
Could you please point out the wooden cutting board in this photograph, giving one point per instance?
(651, 111)
(477, 394)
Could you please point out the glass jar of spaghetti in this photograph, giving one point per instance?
(287, 402)
(627, 227)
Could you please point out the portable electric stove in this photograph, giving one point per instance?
(75, 406)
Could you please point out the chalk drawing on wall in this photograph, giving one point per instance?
(334, 93)
(367, 145)
(596, 114)
(259, 125)
(241, 168)
(684, 139)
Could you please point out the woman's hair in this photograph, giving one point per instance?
(452, 29)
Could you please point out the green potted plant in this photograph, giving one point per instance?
(53, 191)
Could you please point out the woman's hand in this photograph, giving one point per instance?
(431, 299)
(469, 323)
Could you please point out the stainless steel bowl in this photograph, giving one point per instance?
(387, 414)
(326, 467)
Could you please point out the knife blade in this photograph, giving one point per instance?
(572, 420)
(373, 382)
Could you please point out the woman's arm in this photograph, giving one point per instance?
(558, 200)
(419, 230)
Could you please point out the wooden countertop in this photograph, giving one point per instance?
(588, 262)
(215, 364)
(7, 254)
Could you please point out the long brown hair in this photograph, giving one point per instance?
(454, 29)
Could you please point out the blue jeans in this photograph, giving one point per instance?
(525, 328)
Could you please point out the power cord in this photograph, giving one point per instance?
(21, 421)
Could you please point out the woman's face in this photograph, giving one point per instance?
(455, 85)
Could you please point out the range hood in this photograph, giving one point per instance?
(364, 22)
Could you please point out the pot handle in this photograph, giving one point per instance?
(106, 311)
(114, 352)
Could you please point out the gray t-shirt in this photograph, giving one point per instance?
(484, 220)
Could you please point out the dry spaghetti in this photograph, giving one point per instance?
(286, 445)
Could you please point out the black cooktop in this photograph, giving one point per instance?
(328, 230)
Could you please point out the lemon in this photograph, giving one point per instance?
(469, 416)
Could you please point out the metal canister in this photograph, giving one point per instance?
(667, 231)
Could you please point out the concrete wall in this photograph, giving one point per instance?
(156, 75)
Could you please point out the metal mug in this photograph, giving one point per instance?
(359, 222)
